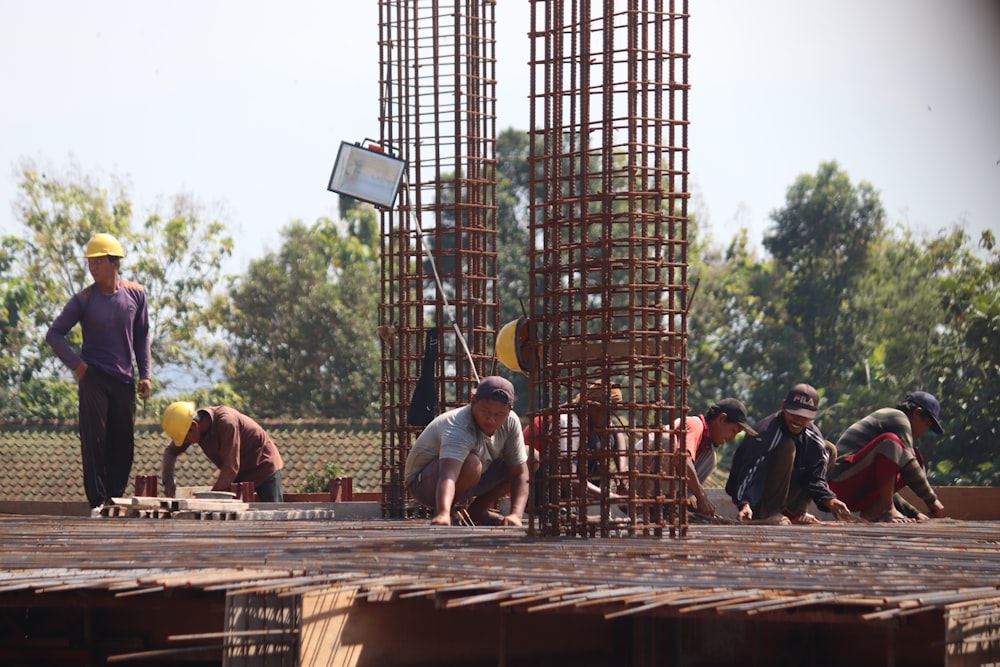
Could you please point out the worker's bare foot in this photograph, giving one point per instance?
(774, 520)
(805, 519)
(891, 516)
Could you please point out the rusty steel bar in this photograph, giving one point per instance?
(609, 289)
(863, 571)
(439, 255)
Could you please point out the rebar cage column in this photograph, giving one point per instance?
(608, 261)
(438, 110)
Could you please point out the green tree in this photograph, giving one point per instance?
(740, 340)
(965, 364)
(900, 312)
(821, 243)
(301, 324)
(513, 197)
(897, 315)
(178, 258)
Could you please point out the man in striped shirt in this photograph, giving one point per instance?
(876, 457)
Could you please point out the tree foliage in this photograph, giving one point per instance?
(865, 313)
(177, 258)
(821, 243)
(513, 195)
(965, 363)
(301, 324)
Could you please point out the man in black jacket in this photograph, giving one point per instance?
(775, 473)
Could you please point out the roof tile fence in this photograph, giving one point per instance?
(41, 462)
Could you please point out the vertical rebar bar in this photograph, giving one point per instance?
(608, 261)
(439, 258)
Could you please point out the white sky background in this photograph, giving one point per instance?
(244, 104)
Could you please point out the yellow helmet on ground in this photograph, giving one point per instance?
(177, 420)
(104, 244)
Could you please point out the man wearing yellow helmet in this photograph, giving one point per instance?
(114, 323)
(238, 446)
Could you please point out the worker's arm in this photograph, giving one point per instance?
(448, 471)
(518, 494)
(702, 503)
(56, 337)
(170, 454)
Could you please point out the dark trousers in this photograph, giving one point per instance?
(107, 435)
(782, 491)
(271, 489)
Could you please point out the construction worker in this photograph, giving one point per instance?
(877, 456)
(114, 323)
(703, 434)
(238, 446)
(473, 452)
(775, 473)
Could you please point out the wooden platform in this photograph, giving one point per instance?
(403, 592)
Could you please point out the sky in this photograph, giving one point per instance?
(244, 104)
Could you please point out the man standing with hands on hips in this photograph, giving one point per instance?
(114, 323)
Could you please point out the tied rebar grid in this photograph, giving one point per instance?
(877, 571)
(609, 286)
(438, 112)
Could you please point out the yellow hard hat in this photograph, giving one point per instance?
(104, 244)
(510, 346)
(177, 420)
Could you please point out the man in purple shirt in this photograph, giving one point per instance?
(114, 323)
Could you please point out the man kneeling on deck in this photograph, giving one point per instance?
(476, 451)
(876, 457)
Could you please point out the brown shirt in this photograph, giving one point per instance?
(238, 446)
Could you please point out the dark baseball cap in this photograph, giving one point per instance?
(497, 388)
(802, 400)
(930, 405)
(736, 413)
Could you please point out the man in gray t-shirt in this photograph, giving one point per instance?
(476, 451)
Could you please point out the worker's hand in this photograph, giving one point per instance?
(704, 506)
(936, 509)
(441, 519)
(839, 509)
(80, 370)
(170, 488)
(745, 513)
(145, 388)
(511, 520)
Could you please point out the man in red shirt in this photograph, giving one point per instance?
(703, 434)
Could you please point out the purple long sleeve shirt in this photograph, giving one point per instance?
(115, 330)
